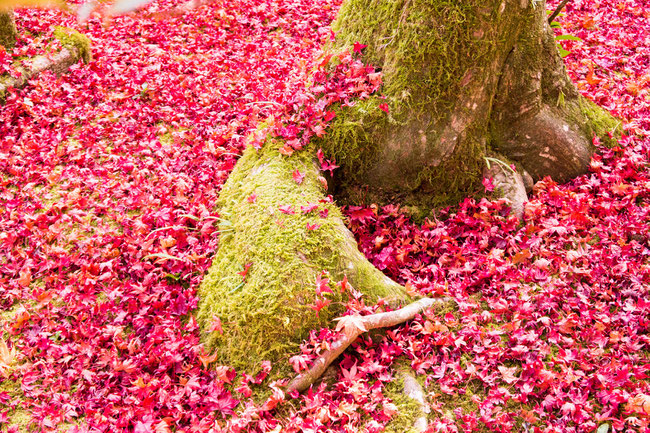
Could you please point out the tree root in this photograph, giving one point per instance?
(413, 390)
(57, 63)
(510, 185)
(352, 327)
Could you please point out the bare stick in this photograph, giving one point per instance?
(557, 10)
(353, 327)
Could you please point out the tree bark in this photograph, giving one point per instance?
(7, 29)
(464, 79)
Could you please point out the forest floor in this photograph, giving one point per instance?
(108, 176)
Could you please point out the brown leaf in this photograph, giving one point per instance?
(521, 256)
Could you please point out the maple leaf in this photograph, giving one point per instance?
(357, 48)
(25, 277)
(322, 285)
(320, 304)
(508, 374)
(351, 325)
(310, 207)
(590, 76)
(298, 177)
(244, 272)
(487, 184)
(286, 209)
(215, 325)
(640, 404)
(521, 256)
(206, 360)
(299, 362)
(7, 357)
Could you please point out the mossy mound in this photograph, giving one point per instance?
(7, 29)
(72, 39)
(273, 247)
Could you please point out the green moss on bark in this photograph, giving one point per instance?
(7, 29)
(72, 39)
(267, 313)
(423, 47)
(594, 120)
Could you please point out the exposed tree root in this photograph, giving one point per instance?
(352, 327)
(510, 185)
(58, 64)
(413, 390)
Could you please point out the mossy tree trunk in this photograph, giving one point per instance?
(464, 79)
(7, 29)
(277, 237)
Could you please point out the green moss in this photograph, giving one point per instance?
(268, 312)
(353, 136)
(408, 409)
(423, 47)
(72, 39)
(7, 30)
(17, 417)
(594, 120)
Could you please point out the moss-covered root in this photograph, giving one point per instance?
(7, 29)
(73, 40)
(279, 233)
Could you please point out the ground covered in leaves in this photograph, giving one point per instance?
(108, 177)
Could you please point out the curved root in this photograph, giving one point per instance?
(352, 327)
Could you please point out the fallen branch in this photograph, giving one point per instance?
(352, 327)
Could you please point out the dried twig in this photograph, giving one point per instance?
(557, 10)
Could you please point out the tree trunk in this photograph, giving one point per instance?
(7, 29)
(464, 79)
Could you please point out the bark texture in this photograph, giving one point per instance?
(462, 78)
(7, 29)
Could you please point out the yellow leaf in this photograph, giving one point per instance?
(6, 356)
(10, 4)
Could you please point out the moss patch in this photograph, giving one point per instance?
(594, 120)
(262, 283)
(423, 47)
(7, 30)
(72, 39)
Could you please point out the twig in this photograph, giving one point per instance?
(362, 324)
(557, 10)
